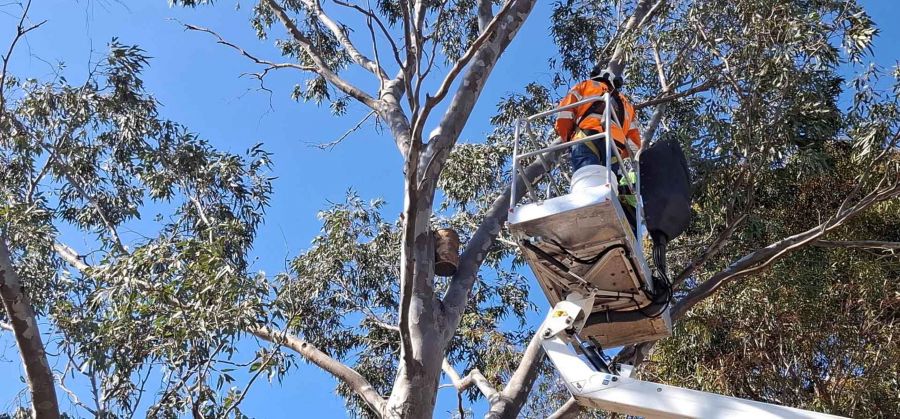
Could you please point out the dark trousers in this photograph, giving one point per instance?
(581, 155)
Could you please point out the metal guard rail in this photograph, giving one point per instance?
(608, 147)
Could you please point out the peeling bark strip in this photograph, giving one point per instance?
(28, 338)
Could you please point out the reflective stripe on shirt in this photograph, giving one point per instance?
(565, 115)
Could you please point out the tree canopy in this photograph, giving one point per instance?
(786, 281)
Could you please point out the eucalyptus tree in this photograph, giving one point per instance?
(750, 88)
(166, 222)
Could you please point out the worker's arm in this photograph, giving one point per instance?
(634, 134)
(565, 120)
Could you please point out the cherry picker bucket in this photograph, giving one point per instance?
(582, 242)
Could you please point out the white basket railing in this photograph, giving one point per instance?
(523, 128)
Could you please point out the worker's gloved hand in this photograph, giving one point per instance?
(627, 182)
(630, 178)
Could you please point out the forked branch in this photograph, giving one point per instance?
(762, 258)
(316, 7)
(462, 62)
(474, 377)
(320, 64)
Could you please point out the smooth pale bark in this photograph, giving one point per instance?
(421, 351)
(429, 331)
(569, 410)
(28, 338)
(334, 367)
(514, 395)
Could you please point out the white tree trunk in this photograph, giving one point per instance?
(28, 338)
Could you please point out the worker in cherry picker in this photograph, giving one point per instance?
(587, 119)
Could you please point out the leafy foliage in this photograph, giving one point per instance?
(341, 295)
(777, 137)
(95, 158)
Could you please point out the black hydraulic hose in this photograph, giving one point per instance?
(592, 260)
(544, 255)
(658, 305)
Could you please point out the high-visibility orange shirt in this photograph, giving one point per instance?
(565, 120)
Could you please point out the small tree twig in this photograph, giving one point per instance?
(270, 65)
(332, 144)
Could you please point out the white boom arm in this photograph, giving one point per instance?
(622, 394)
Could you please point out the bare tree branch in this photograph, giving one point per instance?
(474, 377)
(321, 66)
(70, 256)
(330, 145)
(710, 250)
(471, 86)
(246, 390)
(51, 161)
(762, 258)
(409, 61)
(370, 16)
(270, 65)
(634, 22)
(79, 187)
(665, 98)
(21, 30)
(485, 14)
(61, 380)
(516, 391)
(651, 13)
(660, 70)
(347, 375)
(462, 62)
(408, 260)
(391, 91)
(859, 244)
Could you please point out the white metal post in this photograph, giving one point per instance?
(515, 166)
(608, 144)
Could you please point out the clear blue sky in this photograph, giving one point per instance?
(199, 84)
